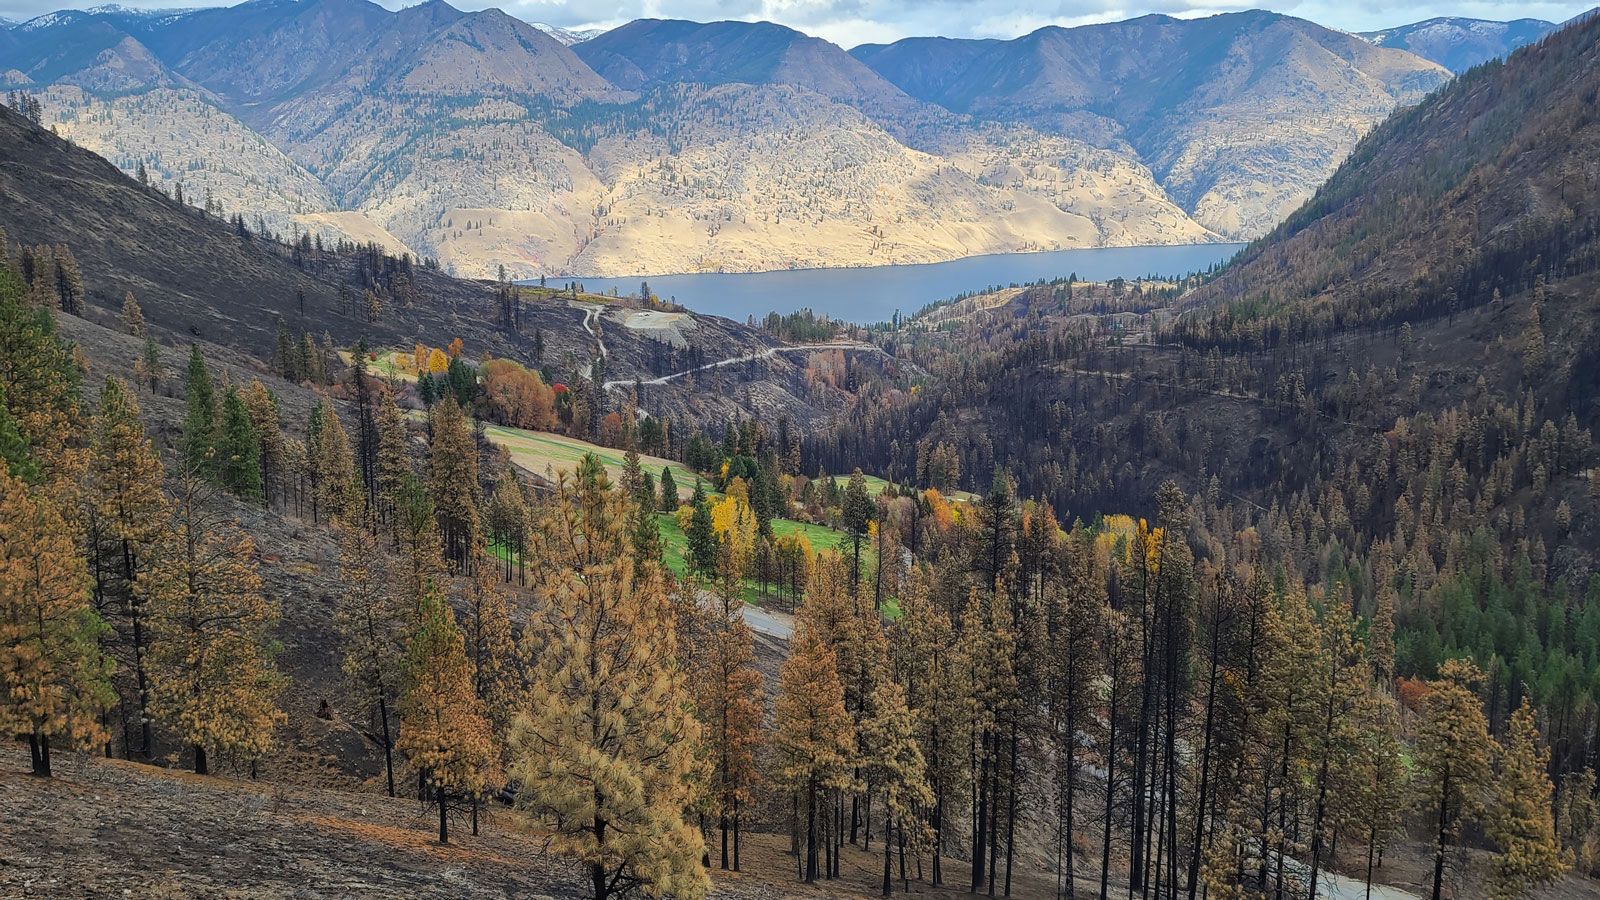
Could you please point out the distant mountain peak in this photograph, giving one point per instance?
(1459, 43)
(568, 36)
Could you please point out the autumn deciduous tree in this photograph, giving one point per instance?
(214, 681)
(54, 682)
(1452, 754)
(444, 727)
(1519, 820)
(606, 747)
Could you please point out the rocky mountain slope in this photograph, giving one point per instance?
(1458, 44)
(1450, 267)
(198, 278)
(1238, 116)
(663, 146)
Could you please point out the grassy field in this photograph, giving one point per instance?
(543, 454)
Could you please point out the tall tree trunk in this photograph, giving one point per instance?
(200, 767)
(388, 744)
(1111, 789)
(39, 751)
(982, 829)
(811, 832)
(1205, 767)
(888, 856)
(1444, 830)
(1011, 808)
(444, 814)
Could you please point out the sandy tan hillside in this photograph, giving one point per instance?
(669, 146)
(182, 138)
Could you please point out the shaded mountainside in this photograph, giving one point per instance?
(1479, 192)
(480, 140)
(1459, 44)
(1236, 114)
(651, 52)
(1394, 309)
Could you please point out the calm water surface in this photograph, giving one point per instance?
(867, 295)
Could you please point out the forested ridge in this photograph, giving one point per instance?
(1132, 605)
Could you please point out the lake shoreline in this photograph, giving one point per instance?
(563, 278)
(870, 294)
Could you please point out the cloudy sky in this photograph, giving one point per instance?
(851, 22)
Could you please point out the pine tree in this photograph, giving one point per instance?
(335, 491)
(132, 316)
(453, 480)
(1380, 783)
(669, 490)
(125, 511)
(200, 420)
(149, 368)
(262, 408)
(1452, 755)
(729, 704)
(69, 281)
(37, 375)
(419, 538)
(211, 658)
(239, 450)
(394, 454)
(15, 449)
(1518, 820)
(54, 682)
(813, 735)
(496, 664)
(702, 534)
(371, 619)
(933, 670)
(1533, 349)
(444, 727)
(895, 765)
(606, 747)
(855, 515)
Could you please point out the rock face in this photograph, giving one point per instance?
(669, 146)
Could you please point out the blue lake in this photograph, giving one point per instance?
(873, 294)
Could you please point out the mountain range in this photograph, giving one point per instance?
(1459, 44)
(667, 146)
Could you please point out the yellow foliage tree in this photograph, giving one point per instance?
(728, 701)
(735, 524)
(606, 751)
(53, 679)
(1519, 821)
(444, 727)
(437, 361)
(814, 737)
(211, 658)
